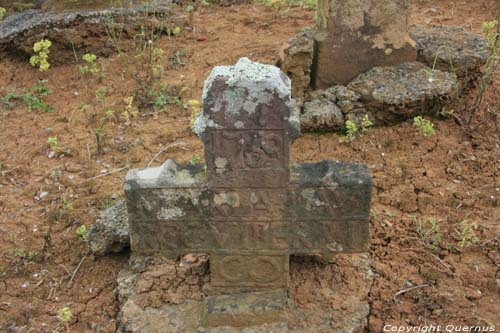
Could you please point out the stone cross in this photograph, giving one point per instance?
(353, 36)
(248, 209)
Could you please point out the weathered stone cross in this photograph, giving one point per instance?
(248, 210)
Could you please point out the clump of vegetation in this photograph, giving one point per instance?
(98, 116)
(167, 96)
(130, 109)
(81, 232)
(468, 234)
(424, 126)
(41, 57)
(352, 130)
(90, 64)
(3, 11)
(32, 99)
(54, 145)
(429, 232)
(195, 160)
(65, 315)
(492, 31)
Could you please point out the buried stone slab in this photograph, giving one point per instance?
(248, 210)
(400, 92)
(162, 295)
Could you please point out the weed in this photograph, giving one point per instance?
(64, 315)
(366, 124)
(195, 106)
(429, 232)
(492, 30)
(90, 64)
(23, 255)
(167, 96)
(114, 31)
(3, 11)
(54, 145)
(31, 99)
(97, 120)
(468, 235)
(177, 59)
(81, 232)
(351, 131)
(276, 5)
(424, 126)
(130, 109)
(194, 160)
(41, 57)
(107, 203)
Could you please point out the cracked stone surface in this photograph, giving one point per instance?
(453, 48)
(400, 92)
(158, 294)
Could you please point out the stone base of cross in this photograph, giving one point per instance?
(248, 209)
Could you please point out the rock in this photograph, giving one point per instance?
(321, 114)
(396, 93)
(296, 58)
(110, 233)
(66, 29)
(455, 49)
(161, 297)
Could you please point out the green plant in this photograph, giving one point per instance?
(468, 235)
(366, 124)
(41, 57)
(54, 146)
(22, 254)
(3, 11)
(429, 232)
(90, 64)
(130, 109)
(81, 232)
(492, 30)
(65, 315)
(167, 96)
(194, 160)
(114, 30)
(424, 126)
(31, 99)
(177, 59)
(351, 131)
(98, 117)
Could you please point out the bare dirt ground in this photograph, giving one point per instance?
(435, 221)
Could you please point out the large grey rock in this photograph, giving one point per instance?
(110, 233)
(400, 92)
(453, 49)
(321, 114)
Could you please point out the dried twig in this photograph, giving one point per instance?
(180, 144)
(76, 271)
(105, 174)
(410, 289)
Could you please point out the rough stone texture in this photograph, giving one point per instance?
(454, 49)
(355, 35)
(250, 212)
(110, 233)
(66, 29)
(162, 295)
(296, 58)
(320, 115)
(399, 92)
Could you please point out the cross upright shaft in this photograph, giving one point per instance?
(248, 210)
